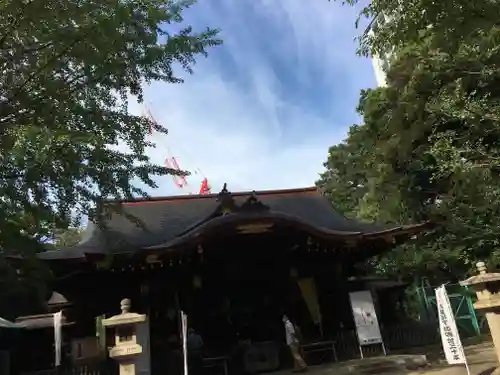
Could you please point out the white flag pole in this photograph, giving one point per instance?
(467, 366)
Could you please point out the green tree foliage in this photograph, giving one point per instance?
(429, 145)
(68, 69)
(67, 139)
(64, 238)
(23, 288)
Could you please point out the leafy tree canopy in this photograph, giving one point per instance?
(68, 69)
(64, 238)
(429, 144)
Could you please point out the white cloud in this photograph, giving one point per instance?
(245, 128)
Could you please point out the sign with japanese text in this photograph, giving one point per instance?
(452, 346)
(365, 318)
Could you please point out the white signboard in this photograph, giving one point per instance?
(57, 337)
(365, 318)
(184, 330)
(452, 345)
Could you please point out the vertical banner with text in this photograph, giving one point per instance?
(452, 345)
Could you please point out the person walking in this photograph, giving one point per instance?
(293, 343)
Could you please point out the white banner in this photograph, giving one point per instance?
(184, 330)
(452, 345)
(57, 337)
(365, 318)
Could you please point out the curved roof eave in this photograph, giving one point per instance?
(399, 230)
(73, 252)
(239, 219)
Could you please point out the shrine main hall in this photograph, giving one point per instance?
(234, 262)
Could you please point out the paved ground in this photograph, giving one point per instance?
(481, 359)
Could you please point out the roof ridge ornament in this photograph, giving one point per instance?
(253, 204)
(224, 191)
(227, 204)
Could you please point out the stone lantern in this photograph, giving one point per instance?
(131, 348)
(487, 288)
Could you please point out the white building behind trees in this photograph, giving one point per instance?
(380, 63)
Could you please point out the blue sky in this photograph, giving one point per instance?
(261, 111)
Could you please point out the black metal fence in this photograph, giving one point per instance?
(104, 368)
(397, 338)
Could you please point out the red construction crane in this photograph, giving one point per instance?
(172, 163)
(205, 187)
